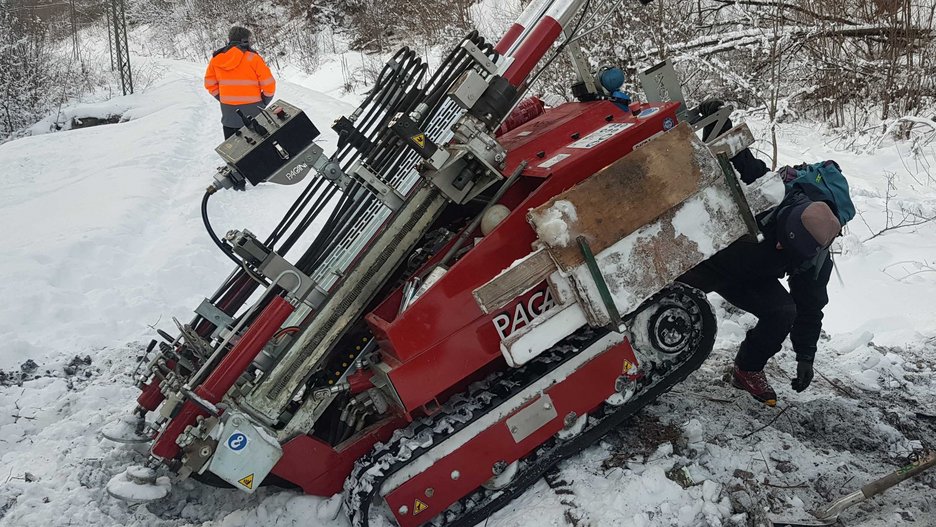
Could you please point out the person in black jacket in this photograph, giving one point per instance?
(747, 275)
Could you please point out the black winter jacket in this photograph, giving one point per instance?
(745, 260)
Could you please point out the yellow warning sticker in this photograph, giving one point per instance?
(418, 507)
(420, 140)
(247, 481)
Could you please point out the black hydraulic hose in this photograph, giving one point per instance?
(313, 212)
(322, 187)
(392, 148)
(377, 94)
(343, 223)
(331, 224)
(294, 210)
(214, 237)
(347, 222)
(301, 203)
(397, 90)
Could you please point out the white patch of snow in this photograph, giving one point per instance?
(553, 224)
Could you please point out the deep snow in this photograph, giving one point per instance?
(104, 239)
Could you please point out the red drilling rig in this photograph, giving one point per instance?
(445, 313)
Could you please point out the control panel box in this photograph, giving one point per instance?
(271, 144)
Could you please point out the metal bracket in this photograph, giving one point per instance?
(468, 89)
(661, 84)
(384, 193)
(582, 70)
(600, 283)
(212, 314)
(719, 117)
(479, 57)
(733, 141)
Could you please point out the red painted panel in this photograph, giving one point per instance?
(581, 392)
(321, 469)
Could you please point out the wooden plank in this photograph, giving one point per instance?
(658, 253)
(514, 281)
(624, 196)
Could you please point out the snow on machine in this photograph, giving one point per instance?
(445, 313)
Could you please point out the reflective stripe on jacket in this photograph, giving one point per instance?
(239, 76)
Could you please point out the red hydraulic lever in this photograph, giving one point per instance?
(231, 367)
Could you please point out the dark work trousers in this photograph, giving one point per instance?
(228, 131)
(761, 295)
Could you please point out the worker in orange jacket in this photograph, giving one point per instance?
(240, 79)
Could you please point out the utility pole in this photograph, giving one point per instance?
(121, 48)
(110, 36)
(74, 27)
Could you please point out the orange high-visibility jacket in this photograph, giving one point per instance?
(237, 77)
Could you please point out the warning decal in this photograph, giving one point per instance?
(420, 140)
(247, 481)
(418, 507)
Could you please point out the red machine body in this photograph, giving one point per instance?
(444, 332)
(443, 340)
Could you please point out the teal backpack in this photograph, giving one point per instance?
(821, 181)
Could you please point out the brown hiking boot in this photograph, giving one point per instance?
(755, 383)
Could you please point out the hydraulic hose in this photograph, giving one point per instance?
(214, 237)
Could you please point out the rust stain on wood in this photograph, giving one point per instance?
(628, 194)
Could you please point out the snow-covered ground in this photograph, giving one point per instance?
(104, 239)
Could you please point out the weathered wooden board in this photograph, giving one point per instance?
(625, 196)
(655, 255)
(514, 281)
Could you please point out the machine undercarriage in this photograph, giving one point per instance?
(467, 304)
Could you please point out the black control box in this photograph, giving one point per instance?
(270, 143)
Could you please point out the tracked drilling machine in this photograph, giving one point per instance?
(474, 307)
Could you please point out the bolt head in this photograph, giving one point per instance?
(455, 475)
(429, 492)
(403, 509)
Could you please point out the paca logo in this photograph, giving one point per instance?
(237, 441)
(522, 313)
(300, 168)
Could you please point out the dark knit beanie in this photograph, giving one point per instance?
(238, 34)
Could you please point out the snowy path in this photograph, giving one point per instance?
(104, 238)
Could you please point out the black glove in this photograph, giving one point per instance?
(710, 106)
(804, 375)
